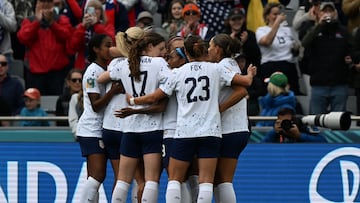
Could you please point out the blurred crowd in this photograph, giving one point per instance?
(50, 38)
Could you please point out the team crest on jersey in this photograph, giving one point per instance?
(90, 83)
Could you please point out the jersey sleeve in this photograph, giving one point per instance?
(226, 74)
(92, 86)
(115, 69)
(169, 84)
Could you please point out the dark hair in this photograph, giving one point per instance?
(228, 45)
(95, 41)
(172, 40)
(195, 47)
(286, 111)
(137, 49)
(169, 16)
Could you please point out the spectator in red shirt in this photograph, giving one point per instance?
(94, 22)
(44, 36)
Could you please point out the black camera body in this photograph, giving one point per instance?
(286, 124)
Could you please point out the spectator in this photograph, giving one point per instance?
(11, 90)
(236, 28)
(144, 20)
(32, 107)
(308, 11)
(328, 69)
(73, 82)
(278, 44)
(134, 8)
(45, 36)
(175, 22)
(116, 13)
(23, 9)
(289, 129)
(352, 12)
(302, 22)
(70, 8)
(93, 22)
(7, 25)
(191, 14)
(254, 10)
(76, 108)
(256, 89)
(278, 96)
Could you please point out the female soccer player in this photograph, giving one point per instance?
(89, 128)
(234, 120)
(142, 133)
(198, 132)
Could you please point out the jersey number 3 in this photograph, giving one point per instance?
(205, 82)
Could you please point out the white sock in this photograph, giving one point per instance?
(185, 193)
(90, 190)
(194, 187)
(151, 192)
(205, 193)
(173, 192)
(120, 192)
(216, 194)
(134, 191)
(226, 193)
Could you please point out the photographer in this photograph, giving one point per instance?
(288, 129)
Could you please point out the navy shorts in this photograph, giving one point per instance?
(185, 149)
(91, 145)
(137, 144)
(233, 144)
(166, 147)
(112, 141)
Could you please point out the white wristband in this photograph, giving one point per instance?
(132, 101)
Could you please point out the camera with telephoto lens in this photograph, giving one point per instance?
(332, 120)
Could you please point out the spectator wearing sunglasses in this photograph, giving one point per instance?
(11, 91)
(191, 14)
(72, 85)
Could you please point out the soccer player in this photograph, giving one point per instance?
(89, 128)
(234, 120)
(198, 130)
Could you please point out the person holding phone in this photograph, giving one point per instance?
(94, 22)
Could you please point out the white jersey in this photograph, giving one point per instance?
(197, 86)
(154, 70)
(280, 49)
(90, 122)
(235, 118)
(111, 122)
(170, 116)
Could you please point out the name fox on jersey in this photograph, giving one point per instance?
(195, 67)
